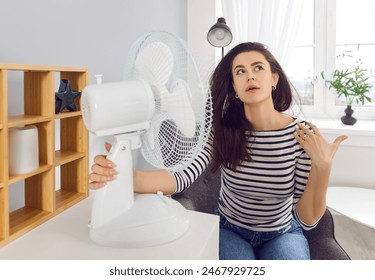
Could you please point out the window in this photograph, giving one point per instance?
(355, 37)
(332, 34)
(300, 63)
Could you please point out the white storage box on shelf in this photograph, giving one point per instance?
(23, 150)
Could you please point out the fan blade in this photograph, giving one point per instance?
(178, 106)
(155, 63)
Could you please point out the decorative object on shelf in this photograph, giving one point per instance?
(23, 150)
(348, 118)
(353, 84)
(65, 98)
(220, 35)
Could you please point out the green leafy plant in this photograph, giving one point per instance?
(351, 83)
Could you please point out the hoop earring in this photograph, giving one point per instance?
(274, 88)
(236, 96)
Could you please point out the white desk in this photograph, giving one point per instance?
(66, 237)
(355, 203)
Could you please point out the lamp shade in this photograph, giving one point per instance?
(219, 34)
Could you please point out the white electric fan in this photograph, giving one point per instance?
(164, 108)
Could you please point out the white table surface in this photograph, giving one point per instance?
(66, 237)
(354, 202)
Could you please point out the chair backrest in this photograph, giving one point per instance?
(203, 194)
(322, 240)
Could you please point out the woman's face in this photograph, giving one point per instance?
(252, 77)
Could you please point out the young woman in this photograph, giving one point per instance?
(275, 168)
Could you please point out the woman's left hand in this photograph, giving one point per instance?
(315, 145)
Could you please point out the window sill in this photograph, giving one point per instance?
(361, 134)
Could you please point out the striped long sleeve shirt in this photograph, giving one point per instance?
(260, 194)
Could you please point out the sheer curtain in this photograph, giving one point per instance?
(271, 22)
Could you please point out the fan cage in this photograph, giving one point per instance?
(164, 145)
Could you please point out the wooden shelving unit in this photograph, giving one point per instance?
(42, 199)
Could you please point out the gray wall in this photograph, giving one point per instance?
(96, 34)
(91, 33)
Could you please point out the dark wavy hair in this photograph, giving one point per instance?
(229, 121)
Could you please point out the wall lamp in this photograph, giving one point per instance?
(220, 35)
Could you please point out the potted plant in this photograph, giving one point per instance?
(353, 84)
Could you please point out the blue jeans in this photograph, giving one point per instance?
(236, 243)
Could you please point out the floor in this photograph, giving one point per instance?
(357, 240)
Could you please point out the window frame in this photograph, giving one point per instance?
(324, 52)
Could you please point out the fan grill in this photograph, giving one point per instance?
(164, 144)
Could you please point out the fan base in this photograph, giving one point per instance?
(153, 219)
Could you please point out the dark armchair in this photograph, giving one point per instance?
(203, 196)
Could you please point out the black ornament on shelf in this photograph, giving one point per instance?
(348, 118)
(65, 98)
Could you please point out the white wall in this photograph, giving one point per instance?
(96, 34)
(354, 161)
(200, 17)
(354, 166)
(92, 33)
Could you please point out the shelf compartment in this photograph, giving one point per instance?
(74, 176)
(66, 199)
(39, 202)
(26, 218)
(73, 185)
(37, 93)
(78, 81)
(76, 135)
(40, 192)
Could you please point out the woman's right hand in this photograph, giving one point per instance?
(102, 171)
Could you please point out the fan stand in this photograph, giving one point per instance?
(121, 218)
(153, 219)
